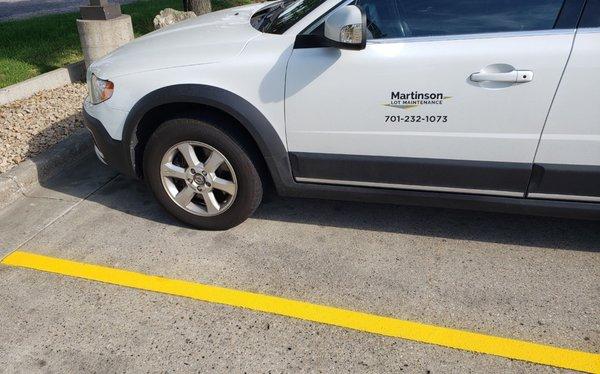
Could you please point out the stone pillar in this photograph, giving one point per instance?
(102, 29)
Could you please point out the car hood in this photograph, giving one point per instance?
(209, 38)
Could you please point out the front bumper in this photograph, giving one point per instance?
(111, 152)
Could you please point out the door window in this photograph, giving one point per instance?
(417, 18)
(591, 15)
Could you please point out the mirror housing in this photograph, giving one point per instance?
(346, 28)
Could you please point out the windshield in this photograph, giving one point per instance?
(279, 17)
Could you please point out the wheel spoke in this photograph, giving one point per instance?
(224, 185)
(189, 154)
(173, 171)
(212, 205)
(214, 161)
(185, 196)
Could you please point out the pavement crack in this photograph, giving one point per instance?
(46, 198)
(22, 190)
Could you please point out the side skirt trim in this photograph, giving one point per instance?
(444, 175)
(564, 197)
(565, 182)
(409, 187)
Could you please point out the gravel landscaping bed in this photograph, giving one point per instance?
(30, 126)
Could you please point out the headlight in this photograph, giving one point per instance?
(100, 89)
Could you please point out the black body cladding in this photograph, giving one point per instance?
(476, 175)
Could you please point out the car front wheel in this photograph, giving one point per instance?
(201, 174)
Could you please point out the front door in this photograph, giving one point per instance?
(447, 96)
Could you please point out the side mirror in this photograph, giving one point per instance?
(346, 28)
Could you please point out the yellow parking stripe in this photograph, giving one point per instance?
(470, 341)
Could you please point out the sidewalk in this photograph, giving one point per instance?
(18, 9)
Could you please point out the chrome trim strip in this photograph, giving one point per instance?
(410, 187)
(564, 197)
(437, 38)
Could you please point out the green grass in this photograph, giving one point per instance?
(34, 46)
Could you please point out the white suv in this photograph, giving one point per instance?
(481, 104)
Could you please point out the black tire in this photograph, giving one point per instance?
(205, 130)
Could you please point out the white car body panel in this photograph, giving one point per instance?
(186, 53)
(112, 118)
(256, 74)
(345, 92)
(211, 38)
(572, 132)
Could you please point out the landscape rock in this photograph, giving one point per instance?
(30, 126)
(170, 16)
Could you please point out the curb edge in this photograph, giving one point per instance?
(16, 182)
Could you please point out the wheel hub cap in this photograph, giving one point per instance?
(199, 179)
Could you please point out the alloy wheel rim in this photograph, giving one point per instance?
(198, 178)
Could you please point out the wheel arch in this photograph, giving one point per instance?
(147, 114)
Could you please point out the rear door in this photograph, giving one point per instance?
(433, 102)
(568, 160)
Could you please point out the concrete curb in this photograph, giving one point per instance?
(47, 81)
(30, 173)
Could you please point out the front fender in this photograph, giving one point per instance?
(261, 130)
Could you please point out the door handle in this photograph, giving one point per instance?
(513, 76)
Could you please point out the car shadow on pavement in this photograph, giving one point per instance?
(134, 198)
(546, 232)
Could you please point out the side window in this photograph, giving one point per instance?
(415, 18)
(591, 14)
(384, 19)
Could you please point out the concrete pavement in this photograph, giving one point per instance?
(527, 278)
